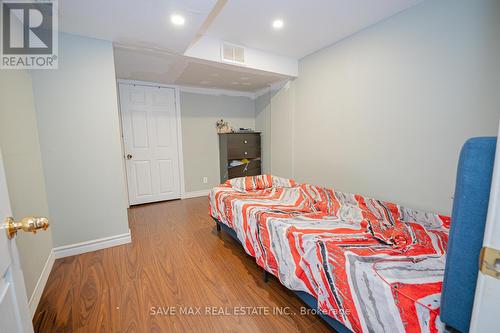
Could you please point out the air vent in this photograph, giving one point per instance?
(232, 53)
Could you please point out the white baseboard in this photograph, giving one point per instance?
(195, 194)
(92, 245)
(71, 250)
(42, 281)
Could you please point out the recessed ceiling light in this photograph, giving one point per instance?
(215, 74)
(246, 84)
(204, 82)
(278, 24)
(235, 83)
(244, 78)
(177, 19)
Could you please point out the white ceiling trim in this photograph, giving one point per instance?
(217, 92)
(147, 83)
(193, 90)
(274, 87)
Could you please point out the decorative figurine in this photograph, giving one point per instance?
(223, 127)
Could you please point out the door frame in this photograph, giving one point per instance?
(487, 287)
(16, 274)
(178, 125)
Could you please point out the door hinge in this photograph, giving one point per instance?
(489, 263)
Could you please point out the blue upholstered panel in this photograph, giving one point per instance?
(468, 219)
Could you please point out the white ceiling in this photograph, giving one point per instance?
(149, 48)
(148, 65)
(168, 68)
(226, 77)
(309, 24)
(135, 22)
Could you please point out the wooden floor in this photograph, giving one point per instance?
(176, 259)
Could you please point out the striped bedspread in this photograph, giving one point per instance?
(374, 266)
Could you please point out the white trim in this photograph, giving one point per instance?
(195, 194)
(262, 92)
(146, 83)
(217, 92)
(42, 281)
(92, 245)
(211, 91)
(488, 288)
(194, 90)
(291, 114)
(270, 155)
(120, 121)
(273, 87)
(71, 250)
(179, 138)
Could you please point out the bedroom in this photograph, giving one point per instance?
(113, 138)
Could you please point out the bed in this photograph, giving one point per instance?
(368, 264)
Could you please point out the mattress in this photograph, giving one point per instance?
(372, 265)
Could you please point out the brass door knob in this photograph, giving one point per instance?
(28, 224)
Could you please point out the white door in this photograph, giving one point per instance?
(149, 121)
(14, 311)
(487, 298)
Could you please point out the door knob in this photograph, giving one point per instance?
(129, 156)
(28, 224)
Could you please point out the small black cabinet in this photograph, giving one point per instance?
(238, 146)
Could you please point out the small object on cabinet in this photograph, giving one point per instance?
(245, 130)
(223, 127)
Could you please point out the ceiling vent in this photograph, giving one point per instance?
(232, 53)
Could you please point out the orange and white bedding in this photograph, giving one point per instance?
(372, 265)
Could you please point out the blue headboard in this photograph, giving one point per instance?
(468, 219)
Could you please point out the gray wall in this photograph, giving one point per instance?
(23, 167)
(263, 124)
(274, 112)
(200, 143)
(385, 112)
(78, 124)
